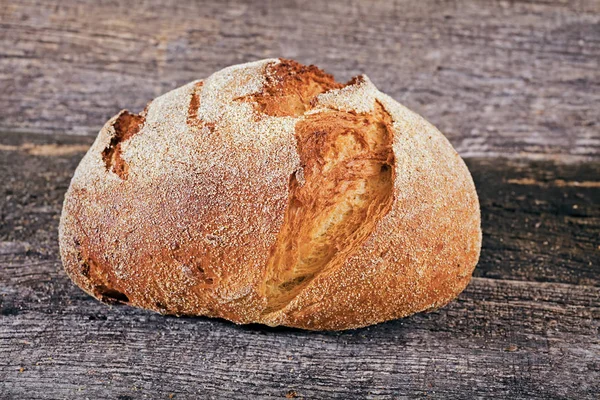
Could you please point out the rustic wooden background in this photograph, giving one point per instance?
(515, 85)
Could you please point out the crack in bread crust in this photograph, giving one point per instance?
(126, 125)
(193, 120)
(348, 173)
(343, 187)
(192, 116)
(291, 88)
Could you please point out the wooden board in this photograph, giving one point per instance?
(518, 79)
(526, 327)
(497, 77)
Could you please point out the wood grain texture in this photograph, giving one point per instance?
(497, 77)
(540, 220)
(528, 326)
(501, 338)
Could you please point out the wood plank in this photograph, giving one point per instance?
(497, 77)
(501, 338)
(540, 220)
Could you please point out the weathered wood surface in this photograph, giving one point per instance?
(497, 77)
(517, 78)
(526, 327)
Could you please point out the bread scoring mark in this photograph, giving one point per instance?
(291, 88)
(192, 115)
(126, 125)
(348, 171)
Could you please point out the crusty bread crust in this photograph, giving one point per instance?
(190, 207)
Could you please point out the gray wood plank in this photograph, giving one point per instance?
(540, 220)
(497, 77)
(500, 339)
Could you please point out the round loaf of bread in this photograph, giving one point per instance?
(270, 193)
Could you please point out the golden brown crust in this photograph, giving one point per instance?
(290, 88)
(271, 193)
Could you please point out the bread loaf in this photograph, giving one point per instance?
(270, 193)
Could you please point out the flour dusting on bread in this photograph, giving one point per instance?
(271, 193)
